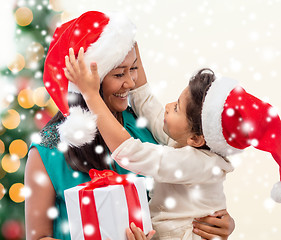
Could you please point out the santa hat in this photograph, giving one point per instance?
(233, 119)
(106, 40)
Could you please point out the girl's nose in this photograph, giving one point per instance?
(167, 108)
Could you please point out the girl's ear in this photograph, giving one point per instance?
(196, 141)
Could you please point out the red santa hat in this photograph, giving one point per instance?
(233, 119)
(106, 40)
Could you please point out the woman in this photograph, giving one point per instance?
(108, 41)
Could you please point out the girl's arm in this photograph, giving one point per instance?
(113, 133)
(146, 105)
(37, 223)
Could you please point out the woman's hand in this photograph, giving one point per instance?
(88, 82)
(222, 225)
(135, 233)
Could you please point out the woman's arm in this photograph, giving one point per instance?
(42, 198)
(141, 73)
(222, 225)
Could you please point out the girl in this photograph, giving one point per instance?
(187, 185)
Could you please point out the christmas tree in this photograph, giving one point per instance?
(25, 107)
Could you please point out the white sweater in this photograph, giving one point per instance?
(188, 182)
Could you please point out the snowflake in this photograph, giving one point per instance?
(99, 149)
(52, 212)
(65, 227)
(108, 160)
(272, 112)
(138, 214)
(89, 229)
(125, 161)
(170, 202)
(75, 174)
(254, 142)
(178, 173)
(247, 127)
(36, 138)
(216, 171)
(41, 178)
(131, 177)
(47, 84)
(86, 200)
(230, 112)
(38, 116)
(269, 204)
(25, 192)
(195, 192)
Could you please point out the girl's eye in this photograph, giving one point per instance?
(175, 107)
(133, 68)
(119, 75)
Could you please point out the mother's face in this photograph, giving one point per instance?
(118, 82)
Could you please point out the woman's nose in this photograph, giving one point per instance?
(129, 82)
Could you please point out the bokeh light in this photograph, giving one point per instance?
(41, 97)
(25, 98)
(52, 107)
(15, 192)
(17, 64)
(56, 5)
(2, 147)
(24, 16)
(19, 148)
(2, 191)
(11, 120)
(34, 53)
(10, 163)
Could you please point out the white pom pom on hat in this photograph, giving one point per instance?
(233, 119)
(106, 40)
(80, 127)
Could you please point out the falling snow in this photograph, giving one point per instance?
(52, 213)
(141, 122)
(170, 202)
(89, 230)
(99, 149)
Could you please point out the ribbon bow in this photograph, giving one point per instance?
(101, 179)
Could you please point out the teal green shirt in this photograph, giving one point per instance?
(64, 177)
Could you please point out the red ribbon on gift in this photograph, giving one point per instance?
(102, 179)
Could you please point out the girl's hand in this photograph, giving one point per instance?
(88, 82)
(135, 233)
(220, 224)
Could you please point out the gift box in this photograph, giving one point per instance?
(104, 207)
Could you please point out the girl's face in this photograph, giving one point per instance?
(118, 82)
(176, 124)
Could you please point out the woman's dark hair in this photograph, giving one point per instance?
(84, 158)
(199, 84)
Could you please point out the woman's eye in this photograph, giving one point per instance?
(175, 107)
(119, 75)
(133, 68)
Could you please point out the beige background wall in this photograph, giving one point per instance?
(239, 39)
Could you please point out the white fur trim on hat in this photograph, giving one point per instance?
(79, 128)
(111, 48)
(211, 116)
